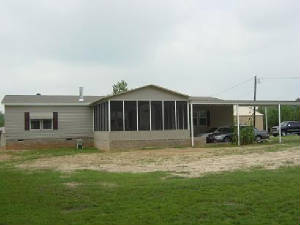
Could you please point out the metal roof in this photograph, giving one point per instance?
(245, 102)
(89, 100)
(47, 100)
(204, 98)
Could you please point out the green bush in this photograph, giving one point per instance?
(1, 119)
(247, 135)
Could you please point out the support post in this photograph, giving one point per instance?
(192, 125)
(109, 122)
(137, 116)
(266, 118)
(123, 117)
(254, 108)
(163, 114)
(150, 116)
(188, 115)
(238, 124)
(279, 123)
(175, 116)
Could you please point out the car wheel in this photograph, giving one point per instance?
(283, 133)
(258, 138)
(227, 139)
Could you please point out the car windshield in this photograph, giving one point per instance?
(223, 130)
(283, 124)
(211, 130)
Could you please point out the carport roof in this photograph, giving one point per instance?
(199, 101)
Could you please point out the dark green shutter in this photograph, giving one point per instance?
(26, 120)
(55, 120)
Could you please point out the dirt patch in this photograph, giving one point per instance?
(108, 184)
(182, 162)
(5, 157)
(72, 184)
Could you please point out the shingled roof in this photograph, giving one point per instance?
(47, 100)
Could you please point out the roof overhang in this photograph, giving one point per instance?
(245, 102)
(46, 104)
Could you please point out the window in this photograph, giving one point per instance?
(47, 124)
(181, 115)
(200, 118)
(144, 115)
(169, 115)
(35, 124)
(130, 115)
(156, 115)
(116, 115)
(41, 124)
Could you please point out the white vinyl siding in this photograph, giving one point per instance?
(73, 121)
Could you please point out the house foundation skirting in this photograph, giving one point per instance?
(122, 140)
(46, 143)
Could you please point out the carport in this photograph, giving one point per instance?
(194, 102)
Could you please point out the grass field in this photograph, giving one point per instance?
(255, 196)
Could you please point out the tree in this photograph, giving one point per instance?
(120, 87)
(1, 119)
(288, 112)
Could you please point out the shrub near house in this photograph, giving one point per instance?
(247, 135)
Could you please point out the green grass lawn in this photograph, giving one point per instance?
(90, 197)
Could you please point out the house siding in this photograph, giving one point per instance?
(73, 121)
(149, 93)
(219, 116)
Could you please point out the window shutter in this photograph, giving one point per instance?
(55, 120)
(26, 120)
(208, 118)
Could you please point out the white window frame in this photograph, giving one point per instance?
(198, 117)
(41, 124)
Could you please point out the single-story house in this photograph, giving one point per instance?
(246, 117)
(143, 117)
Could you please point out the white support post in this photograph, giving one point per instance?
(175, 117)
(109, 122)
(266, 118)
(137, 116)
(279, 123)
(93, 122)
(163, 114)
(182, 120)
(188, 115)
(123, 117)
(238, 124)
(150, 115)
(192, 125)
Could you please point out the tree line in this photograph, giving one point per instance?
(288, 113)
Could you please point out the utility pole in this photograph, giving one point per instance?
(255, 84)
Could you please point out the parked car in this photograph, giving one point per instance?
(287, 127)
(222, 134)
(210, 131)
(225, 134)
(260, 135)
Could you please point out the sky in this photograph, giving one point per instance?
(200, 48)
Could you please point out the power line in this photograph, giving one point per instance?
(234, 86)
(280, 78)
